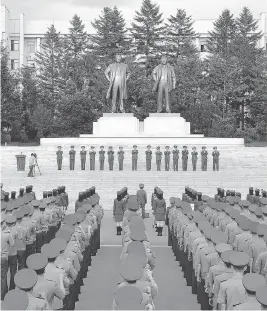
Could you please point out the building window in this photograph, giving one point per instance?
(202, 48)
(14, 64)
(31, 47)
(14, 45)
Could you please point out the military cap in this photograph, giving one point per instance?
(72, 146)
(15, 300)
(261, 295)
(137, 234)
(87, 207)
(70, 219)
(130, 214)
(252, 281)
(184, 146)
(218, 237)
(10, 219)
(264, 210)
(203, 224)
(92, 147)
(42, 206)
(141, 185)
(263, 201)
(172, 200)
(252, 207)
(225, 256)
(9, 207)
(158, 147)
(60, 243)
(250, 188)
(101, 146)
(148, 146)
(35, 203)
(59, 146)
(244, 223)
(128, 295)
(205, 198)
(137, 222)
(25, 279)
(134, 146)
(258, 212)
(203, 147)
(80, 217)
(51, 251)
(62, 234)
(261, 229)
(167, 146)
(16, 203)
(19, 214)
(136, 247)
(223, 247)
(26, 210)
(81, 210)
(37, 261)
(3, 217)
(67, 228)
(244, 203)
(3, 205)
(131, 270)
(239, 259)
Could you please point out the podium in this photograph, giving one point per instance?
(21, 159)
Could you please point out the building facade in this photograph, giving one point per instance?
(23, 38)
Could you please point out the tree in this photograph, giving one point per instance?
(180, 36)
(147, 31)
(42, 121)
(49, 62)
(110, 35)
(221, 37)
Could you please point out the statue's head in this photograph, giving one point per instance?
(164, 60)
(118, 58)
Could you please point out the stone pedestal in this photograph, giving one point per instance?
(116, 125)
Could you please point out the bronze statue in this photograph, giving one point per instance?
(165, 81)
(117, 74)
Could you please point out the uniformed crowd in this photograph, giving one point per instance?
(158, 155)
(136, 288)
(220, 243)
(45, 251)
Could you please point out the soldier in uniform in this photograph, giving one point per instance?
(20, 241)
(64, 198)
(83, 153)
(184, 158)
(59, 157)
(120, 158)
(118, 212)
(167, 155)
(204, 159)
(72, 153)
(148, 158)
(142, 199)
(110, 158)
(256, 197)
(7, 241)
(194, 154)
(21, 193)
(134, 158)
(158, 154)
(92, 158)
(15, 300)
(215, 155)
(175, 158)
(102, 158)
(261, 297)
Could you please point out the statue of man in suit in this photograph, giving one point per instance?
(165, 81)
(117, 74)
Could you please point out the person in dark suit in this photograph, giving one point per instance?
(72, 153)
(148, 158)
(59, 158)
(142, 199)
(160, 212)
(110, 158)
(118, 212)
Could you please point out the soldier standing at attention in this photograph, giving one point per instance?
(92, 158)
(158, 154)
(215, 155)
(134, 158)
(194, 154)
(120, 158)
(148, 158)
(204, 159)
(102, 157)
(142, 199)
(59, 158)
(167, 154)
(184, 158)
(110, 158)
(175, 158)
(72, 158)
(83, 153)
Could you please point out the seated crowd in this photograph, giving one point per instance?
(220, 243)
(46, 251)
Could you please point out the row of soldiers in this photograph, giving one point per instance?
(32, 242)
(136, 288)
(221, 246)
(159, 154)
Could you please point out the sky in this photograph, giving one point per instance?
(91, 9)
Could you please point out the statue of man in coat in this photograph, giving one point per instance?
(165, 81)
(117, 74)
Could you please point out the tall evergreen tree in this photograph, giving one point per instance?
(49, 65)
(110, 35)
(147, 32)
(180, 35)
(221, 37)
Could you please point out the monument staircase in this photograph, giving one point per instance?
(240, 167)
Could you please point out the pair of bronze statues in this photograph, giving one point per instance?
(118, 74)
